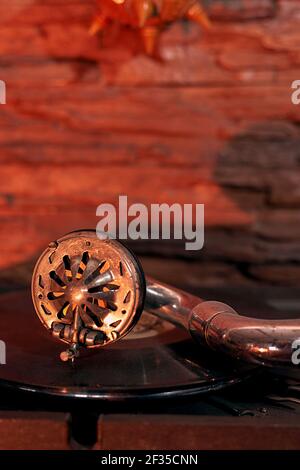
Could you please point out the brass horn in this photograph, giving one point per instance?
(89, 292)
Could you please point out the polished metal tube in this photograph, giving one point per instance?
(218, 326)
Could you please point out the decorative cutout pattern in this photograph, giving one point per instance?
(87, 291)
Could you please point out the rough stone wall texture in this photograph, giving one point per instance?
(211, 122)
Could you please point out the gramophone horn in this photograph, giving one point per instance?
(89, 292)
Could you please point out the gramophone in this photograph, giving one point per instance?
(128, 338)
(89, 291)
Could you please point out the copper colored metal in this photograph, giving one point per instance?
(87, 292)
(219, 327)
(150, 17)
(90, 292)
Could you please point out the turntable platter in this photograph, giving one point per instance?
(155, 361)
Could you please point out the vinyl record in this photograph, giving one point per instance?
(156, 360)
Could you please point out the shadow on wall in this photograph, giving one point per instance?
(259, 172)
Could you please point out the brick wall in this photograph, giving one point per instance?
(211, 122)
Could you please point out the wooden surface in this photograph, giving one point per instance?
(33, 431)
(211, 122)
(196, 433)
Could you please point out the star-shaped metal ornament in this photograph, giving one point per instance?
(149, 17)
